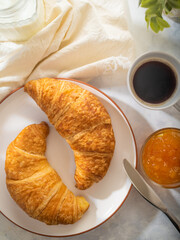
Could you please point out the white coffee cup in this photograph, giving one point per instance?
(171, 62)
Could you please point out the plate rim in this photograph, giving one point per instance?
(136, 160)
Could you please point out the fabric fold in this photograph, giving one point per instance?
(80, 39)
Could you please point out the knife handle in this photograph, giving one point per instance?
(173, 219)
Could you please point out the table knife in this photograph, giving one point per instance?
(148, 193)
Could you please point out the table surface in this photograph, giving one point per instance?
(136, 219)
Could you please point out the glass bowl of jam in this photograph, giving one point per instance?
(160, 157)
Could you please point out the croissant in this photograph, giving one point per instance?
(82, 120)
(34, 184)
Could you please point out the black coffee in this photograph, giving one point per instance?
(154, 82)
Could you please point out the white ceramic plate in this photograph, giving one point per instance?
(19, 110)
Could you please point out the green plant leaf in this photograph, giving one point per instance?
(153, 14)
(162, 2)
(140, 2)
(147, 18)
(174, 3)
(162, 23)
(148, 3)
(152, 10)
(150, 13)
(167, 7)
(154, 26)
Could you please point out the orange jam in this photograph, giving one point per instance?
(161, 157)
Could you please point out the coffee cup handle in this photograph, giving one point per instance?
(177, 106)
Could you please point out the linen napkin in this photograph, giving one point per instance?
(80, 39)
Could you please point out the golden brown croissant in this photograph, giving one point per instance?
(82, 120)
(34, 184)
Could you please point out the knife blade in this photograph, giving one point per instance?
(147, 192)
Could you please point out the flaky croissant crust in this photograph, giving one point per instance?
(82, 120)
(34, 184)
